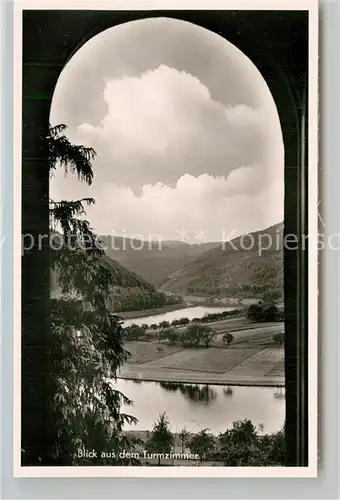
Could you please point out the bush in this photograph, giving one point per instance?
(255, 312)
(219, 316)
(171, 335)
(197, 334)
(196, 320)
(202, 444)
(134, 332)
(227, 338)
(279, 338)
(183, 321)
(164, 324)
(271, 313)
(244, 446)
(260, 312)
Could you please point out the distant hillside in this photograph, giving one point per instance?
(130, 291)
(234, 270)
(154, 261)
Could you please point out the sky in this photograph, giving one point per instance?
(188, 139)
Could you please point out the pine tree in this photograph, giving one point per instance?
(161, 439)
(184, 436)
(86, 338)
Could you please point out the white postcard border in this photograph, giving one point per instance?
(127, 471)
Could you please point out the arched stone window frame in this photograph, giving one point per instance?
(277, 43)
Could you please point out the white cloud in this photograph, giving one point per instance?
(164, 123)
(171, 157)
(215, 205)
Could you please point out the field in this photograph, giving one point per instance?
(212, 360)
(249, 363)
(143, 352)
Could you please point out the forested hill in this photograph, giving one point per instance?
(130, 291)
(154, 261)
(239, 268)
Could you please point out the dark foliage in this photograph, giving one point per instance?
(265, 313)
(244, 446)
(86, 338)
(161, 439)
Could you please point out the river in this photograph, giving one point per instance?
(188, 312)
(197, 407)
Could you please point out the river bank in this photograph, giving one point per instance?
(153, 312)
(253, 363)
(188, 303)
(239, 303)
(156, 374)
(189, 313)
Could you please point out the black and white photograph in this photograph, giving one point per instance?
(165, 318)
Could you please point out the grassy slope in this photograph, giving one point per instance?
(237, 272)
(153, 262)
